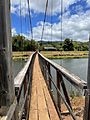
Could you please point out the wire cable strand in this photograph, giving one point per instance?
(51, 18)
(61, 20)
(20, 17)
(26, 17)
(30, 20)
(44, 20)
(21, 22)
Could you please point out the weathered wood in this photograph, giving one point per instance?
(41, 105)
(19, 79)
(75, 80)
(87, 106)
(49, 74)
(15, 110)
(59, 79)
(6, 82)
(33, 113)
(51, 108)
(65, 93)
(64, 100)
(11, 111)
(87, 96)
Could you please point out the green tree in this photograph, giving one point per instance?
(33, 45)
(19, 43)
(68, 45)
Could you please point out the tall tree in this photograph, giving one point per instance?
(68, 45)
(19, 43)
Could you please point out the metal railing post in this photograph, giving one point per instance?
(59, 79)
(49, 74)
(66, 93)
(87, 95)
(25, 89)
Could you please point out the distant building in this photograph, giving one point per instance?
(50, 49)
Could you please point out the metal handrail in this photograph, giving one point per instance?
(19, 83)
(73, 79)
(45, 64)
(19, 79)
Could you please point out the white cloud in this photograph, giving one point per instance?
(88, 2)
(76, 27)
(38, 6)
(13, 9)
(13, 31)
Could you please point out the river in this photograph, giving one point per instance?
(17, 65)
(76, 66)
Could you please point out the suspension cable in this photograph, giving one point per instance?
(51, 18)
(44, 20)
(30, 21)
(61, 20)
(26, 17)
(20, 18)
(21, 26)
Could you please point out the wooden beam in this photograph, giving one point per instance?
(6, 82)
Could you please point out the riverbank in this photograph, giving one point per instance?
(21, 55)
(65, 54)
(78, 104)
(52, 54)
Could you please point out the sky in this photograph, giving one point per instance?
(75, 20)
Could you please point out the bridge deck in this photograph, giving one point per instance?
(41, 106)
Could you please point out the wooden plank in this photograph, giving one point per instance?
(39, 109)
(33, 115)
(33, 100)
(51, 108)
(42, 107)
(18, 80)
(6, 81)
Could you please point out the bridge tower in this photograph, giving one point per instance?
(6, 80)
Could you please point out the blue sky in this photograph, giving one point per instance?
(76, 19)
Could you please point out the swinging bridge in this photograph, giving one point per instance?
(30, 96)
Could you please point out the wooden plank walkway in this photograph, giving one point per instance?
(41, 105)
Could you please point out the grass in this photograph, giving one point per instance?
(65, 54)
(53, 54)
(21, 55)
